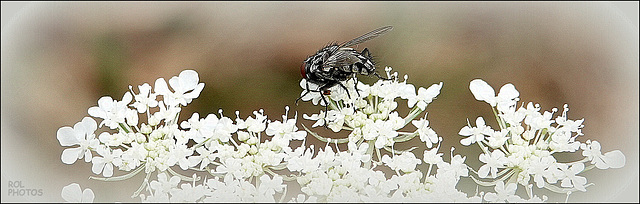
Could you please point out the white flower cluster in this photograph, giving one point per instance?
(343, 176)
(372, 116)
(229, 189)
(252, 160)
(526, 143)
(202, 144)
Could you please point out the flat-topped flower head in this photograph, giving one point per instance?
(256, 159)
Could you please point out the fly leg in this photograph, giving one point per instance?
(380, 77)
(305, 93)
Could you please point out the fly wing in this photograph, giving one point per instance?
(342, 57)
(368, 36)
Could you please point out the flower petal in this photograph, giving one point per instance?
(483, 172)
(508, 91)
(161, 87)
(615, 159)
(66, 136)
(188, 79)
(86, 127)
(69, 156)
(72, 193)
(482, 91)
(87, 196)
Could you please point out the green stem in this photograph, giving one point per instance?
(406, 137)
(144, 184)
(183, 177)
(284, 193)
(324, 139)
(412, 114)
(120, 178)
(500, 122)
(124, 127)
(371, 143)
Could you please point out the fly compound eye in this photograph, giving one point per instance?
(302, 70)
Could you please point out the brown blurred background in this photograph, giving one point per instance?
(59, 58)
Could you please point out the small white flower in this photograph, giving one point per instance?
(257, 124)
(224, 129)
(432, 156)
(457, 167)
(319, 186)
(425, 96)
(385, 133)
(145, 99)
(167, 113)
(179, 154)
(475, 134)
(187, 193)
(204, 158)
(493, 161)
(319, 118)
(233, 166)
(200, 129)
(81, 134)
(185, 86)
(72, 193)
(538, 168)
(613, 159)
(503, 193)
(571, 179)
(270, 186)
(105, 163)
(113, 112)
(311, 92)
(164, 184)
(359, 152)
(301, 160)
(508, 95)
(406, 162)
(427, 135)
(286, 130)
(336, 120)
(498, 138)
(563, 142)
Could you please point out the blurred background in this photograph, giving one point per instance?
(59, 58)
